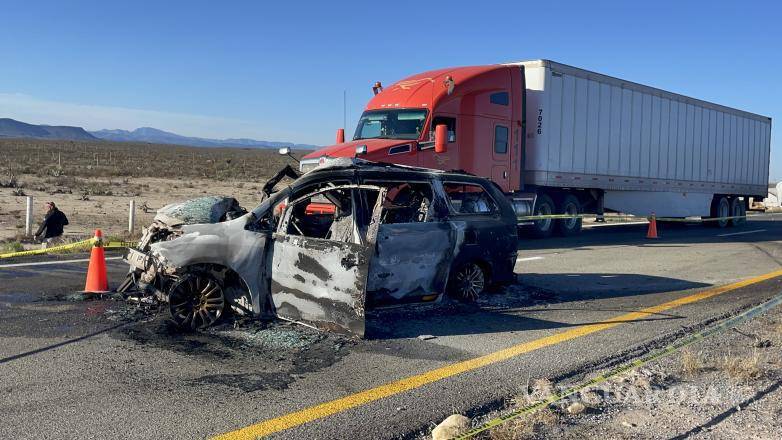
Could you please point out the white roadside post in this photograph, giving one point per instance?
(28, 222)
(132, 216)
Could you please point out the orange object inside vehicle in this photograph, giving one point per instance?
(320, 208)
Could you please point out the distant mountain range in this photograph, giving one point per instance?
(14, 128)
(155, 136)
(11, 128)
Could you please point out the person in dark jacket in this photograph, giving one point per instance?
(52, 225)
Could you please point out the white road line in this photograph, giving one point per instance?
(529, 259)
(46, 263)
(741, 233)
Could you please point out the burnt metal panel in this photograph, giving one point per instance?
(228, 244)
(320, 282)
(411, 260)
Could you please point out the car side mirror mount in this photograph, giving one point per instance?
(441, 138)
(286, 151)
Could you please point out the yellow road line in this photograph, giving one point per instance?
(326, 409)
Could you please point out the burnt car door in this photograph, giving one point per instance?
(321, 254)
(414, 246)
(485, 229)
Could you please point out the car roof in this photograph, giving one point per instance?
(365, 167)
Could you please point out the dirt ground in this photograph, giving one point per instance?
(724, 387)
(93, 182)
(110, 212)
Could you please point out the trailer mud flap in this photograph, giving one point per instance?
(320, 282)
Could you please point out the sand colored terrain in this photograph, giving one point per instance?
(110, 213)
(94, 182)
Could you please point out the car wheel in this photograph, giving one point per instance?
(543, 228)
(196, 301)
(467, 282)
(737, 209)
(569, 206)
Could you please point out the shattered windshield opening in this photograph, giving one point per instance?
(390, 124)
(266, 215)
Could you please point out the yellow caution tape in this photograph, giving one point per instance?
(120, 244)
(70, 246)
(670, 349)
(76, 245)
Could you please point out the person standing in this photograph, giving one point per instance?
(52, 226)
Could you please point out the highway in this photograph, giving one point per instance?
(104, 369)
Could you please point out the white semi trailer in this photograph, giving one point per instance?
(559, 139)
(648, 150)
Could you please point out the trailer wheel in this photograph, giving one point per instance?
(569, 206)
(737, 209)
(720, 208)
(544, 205)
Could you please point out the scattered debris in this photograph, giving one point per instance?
(426, 337)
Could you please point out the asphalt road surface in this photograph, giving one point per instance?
(106, 369)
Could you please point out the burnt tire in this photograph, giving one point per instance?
(738, 209)
(569, 226)
(467, 282)
(544, 205)
(720, 208)
(196, 301)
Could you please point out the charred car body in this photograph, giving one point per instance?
(347, 236)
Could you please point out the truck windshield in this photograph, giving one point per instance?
(390, 124)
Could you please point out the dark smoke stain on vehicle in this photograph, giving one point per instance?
(311, 265)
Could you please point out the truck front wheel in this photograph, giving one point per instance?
(543, 228)
(569, 206)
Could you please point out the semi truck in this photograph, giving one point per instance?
(563, 140)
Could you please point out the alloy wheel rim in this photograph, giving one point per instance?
(196, 302)
(471, 281)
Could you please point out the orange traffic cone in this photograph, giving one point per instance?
(652, 232)
(97, 281)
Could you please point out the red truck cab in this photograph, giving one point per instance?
(481, 107)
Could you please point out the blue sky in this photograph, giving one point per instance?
(277, 71)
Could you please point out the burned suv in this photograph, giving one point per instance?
(347, 236)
